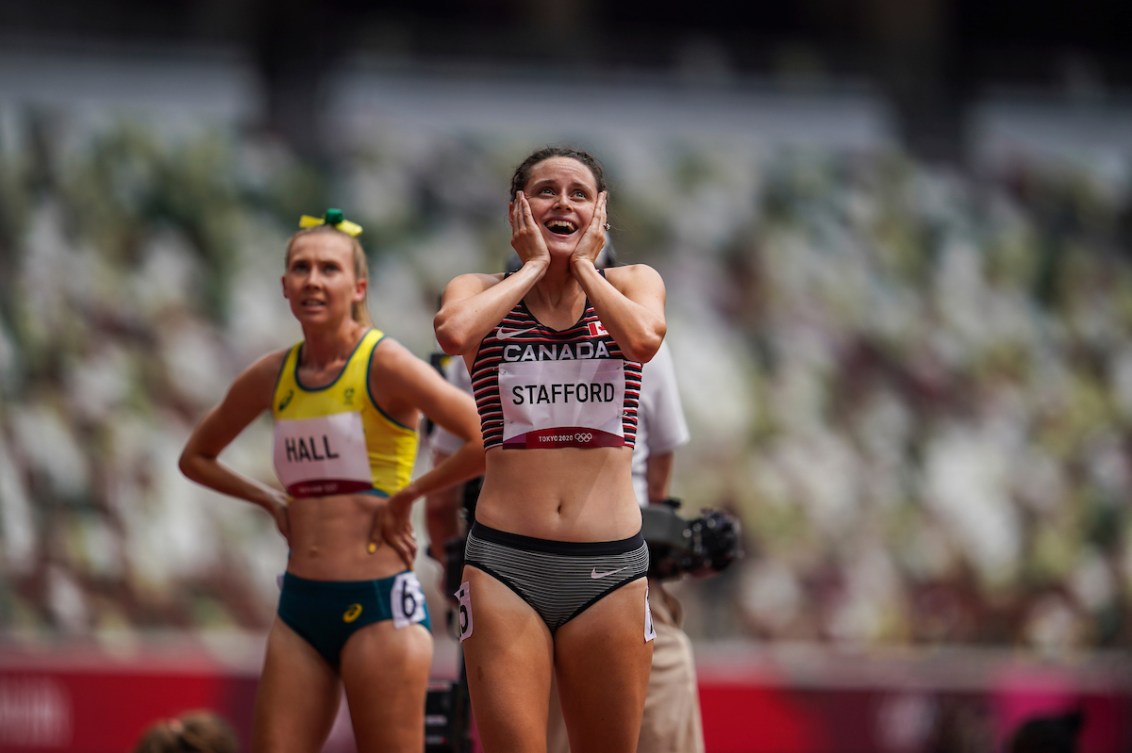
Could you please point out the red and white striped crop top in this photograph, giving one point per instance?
(540, 388)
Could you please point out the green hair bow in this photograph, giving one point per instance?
(335, 219)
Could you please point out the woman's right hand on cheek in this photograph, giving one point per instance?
(526, 235)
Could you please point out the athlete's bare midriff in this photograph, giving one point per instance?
(564, 494)
(329, 539)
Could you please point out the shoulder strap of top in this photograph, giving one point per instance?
(289, 361)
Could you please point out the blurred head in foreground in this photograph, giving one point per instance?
(1047, 734)
(191, 732)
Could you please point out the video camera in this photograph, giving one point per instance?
(699, 546)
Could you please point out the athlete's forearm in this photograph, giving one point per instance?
(464, 320)
(463, 465)
(637, 328)
(213, 474)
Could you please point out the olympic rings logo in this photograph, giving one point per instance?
(584, 436)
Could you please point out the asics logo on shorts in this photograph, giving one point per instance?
(353, 613)
(595, 574)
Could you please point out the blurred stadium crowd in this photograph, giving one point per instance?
(912, 382)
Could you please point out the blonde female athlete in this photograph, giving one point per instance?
(555, 562)
(347, 402)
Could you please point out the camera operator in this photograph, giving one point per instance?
(448, 515)
(446, 510)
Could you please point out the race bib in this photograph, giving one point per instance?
(464, 612)
(407, 600)
(321, 456)
(550, 404)
(650, 627)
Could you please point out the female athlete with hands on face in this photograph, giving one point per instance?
(346, 401)
(554, 580)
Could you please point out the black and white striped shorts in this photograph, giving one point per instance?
(559, 579)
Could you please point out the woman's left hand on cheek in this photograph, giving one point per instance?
(593, 239)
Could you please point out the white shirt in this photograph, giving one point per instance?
(661, 426)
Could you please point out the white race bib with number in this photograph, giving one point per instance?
(407, 600)
(650, 627)
(464, 601)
